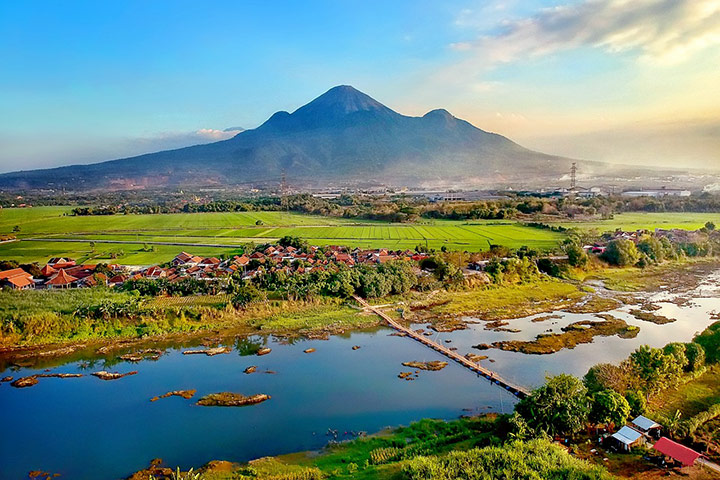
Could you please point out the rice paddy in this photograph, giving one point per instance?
(146, 239)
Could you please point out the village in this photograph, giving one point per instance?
(60, 272)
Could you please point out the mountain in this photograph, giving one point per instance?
(343, 136)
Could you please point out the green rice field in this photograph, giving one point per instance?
(649, 221)
(125, 238)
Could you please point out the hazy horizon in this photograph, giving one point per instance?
(616, 81)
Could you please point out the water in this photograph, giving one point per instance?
(87, 428)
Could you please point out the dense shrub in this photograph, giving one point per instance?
(537, 459)
(621, 253)
(559, 407)
(710, 341)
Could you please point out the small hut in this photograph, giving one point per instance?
(626, 438)
(647, 426)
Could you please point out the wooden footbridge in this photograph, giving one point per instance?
(516, 390)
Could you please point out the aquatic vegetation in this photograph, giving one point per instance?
(574, 334)
(650, 317)
(229, 399)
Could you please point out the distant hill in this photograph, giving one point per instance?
(343, 136)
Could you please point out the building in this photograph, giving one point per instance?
(627, 438)
(659, 193)
(61, 280)
(647, 426)
(17, 279)
(680, 453)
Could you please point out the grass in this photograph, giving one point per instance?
(649, 221)
(38, 317)
(465, 448)
(238, 228)
(508, 301)
(689, 398)
(333, 315)
(679, 273)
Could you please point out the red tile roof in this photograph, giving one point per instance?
(13, 272)
(61, 278)
(681, 453)
(47, 270)
(20, 281)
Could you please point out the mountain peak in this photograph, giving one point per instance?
(440, 112)
(343, 99)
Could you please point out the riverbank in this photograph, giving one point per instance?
(44, 327)
(410, 452)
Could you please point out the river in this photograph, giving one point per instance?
(86, 428)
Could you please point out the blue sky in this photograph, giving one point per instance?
(90, 81)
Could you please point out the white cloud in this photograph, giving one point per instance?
(212, 134)
(662, 31)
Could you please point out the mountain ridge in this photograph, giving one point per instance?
(343, 135)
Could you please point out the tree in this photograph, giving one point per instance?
(710, 341)
(621, 252)
(559, 407)
(32, 268)
(654, 368)
(245, 293)
(652, 247)
(677, 350)
(8, 264)
(577, 257)
(16, 228)
(636, 401)
(604, 376)
(608, 407)
(710, 226)
(695, 355)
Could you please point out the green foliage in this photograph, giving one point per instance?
(691, 425)
(384, 455)
(536, 460)
(559, 407)
(621, 252)
(695, 354)
(609, 406)
(710, 341)
(577, 257)
(654, 368)
(677, 350)
(244, 294)
(652, 248)
(636, 401)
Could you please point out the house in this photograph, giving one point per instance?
(680, 453)
(48, 271)
(626, 438)
(154, 273)
(647, 426)
(181, 259)
(81, 271)
(93, 280)
(117, 280)
(60, 262)
(62, 279)
(209, 262)
(17, 279)
(241, 260)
